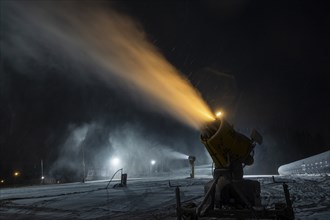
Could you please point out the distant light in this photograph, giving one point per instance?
(42, 177)
(2, 181)
(16, 173)
(218, 114)
(115, 161)
(152, 162)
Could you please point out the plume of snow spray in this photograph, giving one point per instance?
(113, 44)
(69, 159)
(173, 154)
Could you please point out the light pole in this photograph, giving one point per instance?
(16, 175)
(42, 171)
(83, 160)
(83, 164)
(152, 163)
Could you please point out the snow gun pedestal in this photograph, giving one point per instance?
(233, 199)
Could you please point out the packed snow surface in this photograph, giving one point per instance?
(152, 197)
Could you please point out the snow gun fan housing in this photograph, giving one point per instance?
(226, 146)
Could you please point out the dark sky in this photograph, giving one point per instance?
(276, 54)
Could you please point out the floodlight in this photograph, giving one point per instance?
(115, 161)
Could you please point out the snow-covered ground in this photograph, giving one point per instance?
(150, 198)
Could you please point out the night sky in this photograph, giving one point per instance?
(264, 63)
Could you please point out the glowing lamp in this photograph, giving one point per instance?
(218, 114)
(152, 162)
(115, 161)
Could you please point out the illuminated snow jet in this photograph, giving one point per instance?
(117, 49)
(173, 154)
(136, 152)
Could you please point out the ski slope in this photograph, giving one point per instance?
(151, 198)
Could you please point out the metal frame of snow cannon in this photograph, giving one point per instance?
(228, 194)
(281, 210)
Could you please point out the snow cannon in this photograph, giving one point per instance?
(230, 152)
(191, 160)
(228, 194)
